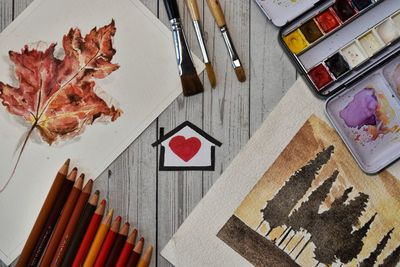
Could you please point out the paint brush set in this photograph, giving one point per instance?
(191, 84)
(70, 230)
(349, 50)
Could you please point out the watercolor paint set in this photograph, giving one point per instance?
(349, 51)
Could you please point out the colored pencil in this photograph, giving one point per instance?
(136, 253)
(98, 240)
(108, 243)
(72, 224)
(118, 245)
(43, 215)
(89, 235)
(62, 222)
(52, 219)
(127, 249)
(146, 257)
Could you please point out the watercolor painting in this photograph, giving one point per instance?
(315, 207)
(57, 97)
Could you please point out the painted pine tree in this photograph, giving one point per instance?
(393, 259)
(352, 246)
(371, 260)
(277, 210)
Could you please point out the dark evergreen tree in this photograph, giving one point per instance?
(341, 200)
(333, 228)
(304, 217)
(371, 260)
(393, 259)
(278, 208)
(352, 246)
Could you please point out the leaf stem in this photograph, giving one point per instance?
(19, 156)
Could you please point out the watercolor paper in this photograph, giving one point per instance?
(353, 54)
(294, 133)
(370, 43)
(388, 31)
(131, 88)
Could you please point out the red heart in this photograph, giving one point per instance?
(184, 148)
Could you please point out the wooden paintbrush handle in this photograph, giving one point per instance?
(194, 9)
(217, 12)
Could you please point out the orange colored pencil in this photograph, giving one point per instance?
(52, 219)
(108, 243)
(146, 257)
(62, 222)
(98, 240)
(136, 253)
(89, 235)
(127, 249)
(71, 226)
(43, 215)
(118, 245)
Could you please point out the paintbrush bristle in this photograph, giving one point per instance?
(191, 84)
(211, 74)
(241, 76)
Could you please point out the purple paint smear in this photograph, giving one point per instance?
(361, 111)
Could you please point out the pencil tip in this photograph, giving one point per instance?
(211, 75)
(65, 166)
(119, 218)
(191, 84)
(97, 192)
(103, 202)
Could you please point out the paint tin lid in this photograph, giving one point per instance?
(280, 12)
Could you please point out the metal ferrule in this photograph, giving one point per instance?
(199, 35)
(231, 49)
(183, 56)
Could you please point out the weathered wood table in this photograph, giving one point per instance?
(158, 202)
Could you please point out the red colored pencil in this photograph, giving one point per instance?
(108, 243)
(89, 235)
(136, 253)
(127, 250)
(118, 245)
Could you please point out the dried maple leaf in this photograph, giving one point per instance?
(57, 96)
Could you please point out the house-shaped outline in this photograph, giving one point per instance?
(165, 137)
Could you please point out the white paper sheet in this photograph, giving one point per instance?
(146, 83)
(196, 243)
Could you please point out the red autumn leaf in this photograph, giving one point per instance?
(57, 96)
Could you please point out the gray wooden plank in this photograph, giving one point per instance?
(272, 74)
(226, 108)
(178, 192)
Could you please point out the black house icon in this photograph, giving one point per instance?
(187, 147)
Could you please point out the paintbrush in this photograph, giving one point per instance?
(218, 14)
(191, 84)
(195, 14)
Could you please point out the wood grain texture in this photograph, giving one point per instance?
(158, 202)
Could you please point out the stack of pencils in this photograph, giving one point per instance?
(71, 231)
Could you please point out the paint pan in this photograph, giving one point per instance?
(295, 41)
(344, 10)
(388, 31)
(327, 20)
(371, 43)
(354, 54)
(311, 31)
(396, 19)
(362, 4)
(337, 65)
(320, 76)
(367, 116)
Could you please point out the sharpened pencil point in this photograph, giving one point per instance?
(191, 84)
(211, 75)
(241, 76)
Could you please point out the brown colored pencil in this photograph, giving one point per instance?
(146, 257)
(71, 226)
(118, 245)
(52, 219)
(43, 215)
(80, 230)
(136, 253)
(62, 222)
